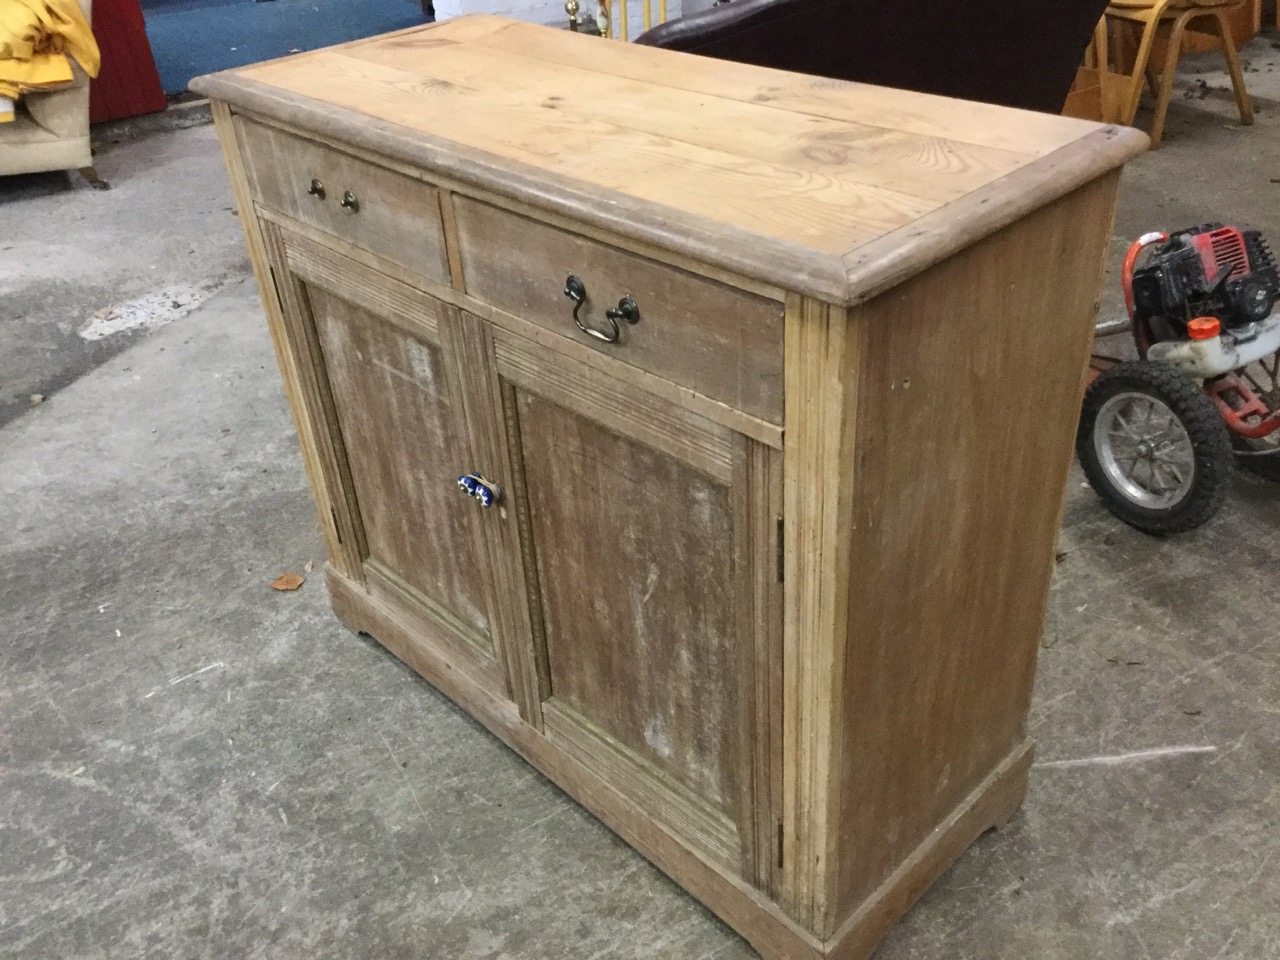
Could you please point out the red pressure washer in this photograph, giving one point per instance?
(1159, 436)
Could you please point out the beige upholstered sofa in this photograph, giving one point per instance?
(51, 130)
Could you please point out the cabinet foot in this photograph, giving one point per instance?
(1016, 793)
(346, 608)
(992, 804)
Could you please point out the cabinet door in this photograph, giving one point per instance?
(653, 535)
(386, 382)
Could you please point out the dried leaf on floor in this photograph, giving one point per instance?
(288, 581)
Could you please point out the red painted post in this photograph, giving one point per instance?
(128, 84)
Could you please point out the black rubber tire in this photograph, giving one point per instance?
(1210, 443)
(1267, 466)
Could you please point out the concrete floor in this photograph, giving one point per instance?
(193, 765)
(162, 241)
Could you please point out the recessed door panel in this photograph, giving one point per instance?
(405, 450)
(635, 563)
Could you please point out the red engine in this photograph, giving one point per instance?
(1222, 249)
(1208, 271)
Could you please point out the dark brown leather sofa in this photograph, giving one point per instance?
(1018, 53)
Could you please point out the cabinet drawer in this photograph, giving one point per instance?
(719, 341)
(386, 213)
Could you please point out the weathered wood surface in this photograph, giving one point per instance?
(764, 582)
(823, 364)
(720, 342)
(315, 253)
(957, 483)
(406, 448)
(644, 603)
(777, 176)
(394, 216)
(293, 357)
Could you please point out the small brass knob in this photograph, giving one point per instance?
(317, 189)
(349, 202)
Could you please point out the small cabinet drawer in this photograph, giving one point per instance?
(717, 340)
(370, 207)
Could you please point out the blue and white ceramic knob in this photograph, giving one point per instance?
(478, 488)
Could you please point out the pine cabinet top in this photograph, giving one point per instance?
(830, 189)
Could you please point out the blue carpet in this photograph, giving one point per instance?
(191, 37)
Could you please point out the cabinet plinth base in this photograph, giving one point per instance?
(992, 804)
(747, 910)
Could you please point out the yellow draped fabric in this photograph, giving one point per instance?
(36, 38)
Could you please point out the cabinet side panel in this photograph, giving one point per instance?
(968, 402)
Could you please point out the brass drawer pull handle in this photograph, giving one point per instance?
(316, 190)
(478, 488)
(349, 202)
(627, 311)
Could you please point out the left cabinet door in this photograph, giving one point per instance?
(385, 395)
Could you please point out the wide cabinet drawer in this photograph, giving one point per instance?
(717, 340)
(378, 210)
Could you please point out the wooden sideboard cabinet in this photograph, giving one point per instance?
(764, 389)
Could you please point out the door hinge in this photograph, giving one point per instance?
(781, 552)
(779, 845)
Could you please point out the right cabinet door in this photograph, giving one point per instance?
(656, 605)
